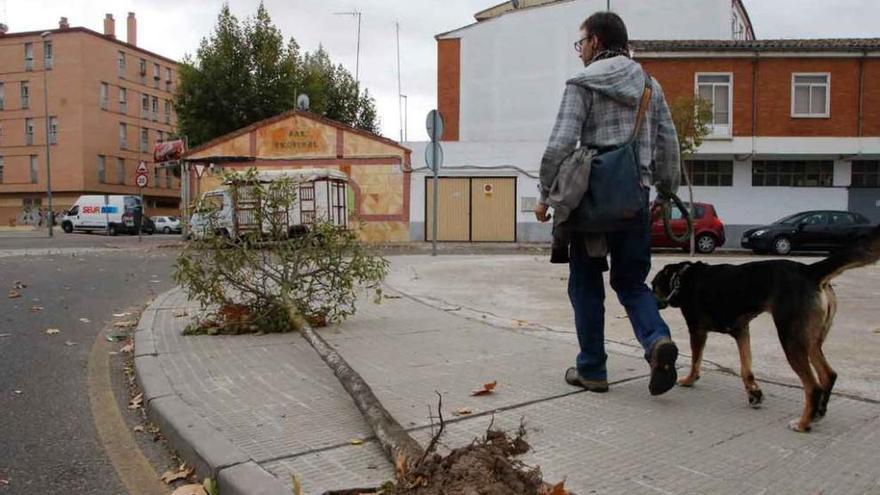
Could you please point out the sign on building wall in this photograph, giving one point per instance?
(168, 151)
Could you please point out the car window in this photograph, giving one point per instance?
(816, 219)
(842, 219)
(73, 211)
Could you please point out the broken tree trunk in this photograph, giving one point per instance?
(399, 446)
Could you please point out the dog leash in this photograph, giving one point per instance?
(667, 199)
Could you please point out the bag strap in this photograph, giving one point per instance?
(643, 106)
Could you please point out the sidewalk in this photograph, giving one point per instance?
(257, 409)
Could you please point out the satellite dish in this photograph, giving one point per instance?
(302, 102)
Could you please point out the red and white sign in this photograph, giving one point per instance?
(168, 151)
(142, 168)
(141, 177)
(141, 181)
(200, 169)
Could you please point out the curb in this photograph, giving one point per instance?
(196, 441)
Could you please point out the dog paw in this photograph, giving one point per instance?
(795, 425)
(688, 381)
(756, 397)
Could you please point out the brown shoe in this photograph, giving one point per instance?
(572, 377)
(663, 373)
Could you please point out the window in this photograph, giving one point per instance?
(105, 90)
(120, 171)
(2, 96)
(167, 79)
(866, 173)
(145, 139)
(159, 136)
(710, 172)
(102, 169)
(794, 173)
(34, 164)
(1, 170)
(121, 64)
(29, 132)
(167, 111)
(168, 177)
(145, 106)
(810, 94)
(142, 71)
(53, 130)
(123, 136)
(25, 95)
(155, 176)
(157, 75)
(123, 100)
(716, 89)
(839, 218)
(155, 108)
(47, 55)
(28, 56)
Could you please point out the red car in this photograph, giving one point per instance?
(708, 229)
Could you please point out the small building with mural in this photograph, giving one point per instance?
(378, 168)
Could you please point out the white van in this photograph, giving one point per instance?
(322, 196)
(111, 213)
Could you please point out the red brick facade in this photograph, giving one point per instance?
(774, 93)
(449, 85)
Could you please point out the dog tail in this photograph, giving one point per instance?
(864, 252)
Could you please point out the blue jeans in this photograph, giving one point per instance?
(630, 252)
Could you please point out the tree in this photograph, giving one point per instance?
(244, 72)
(692, 117)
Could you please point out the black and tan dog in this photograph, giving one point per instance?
(725, 298)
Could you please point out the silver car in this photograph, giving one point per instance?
(167, 225)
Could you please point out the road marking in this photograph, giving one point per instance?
(133, 469)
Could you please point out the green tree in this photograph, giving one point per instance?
(244, 72)
(692, 117)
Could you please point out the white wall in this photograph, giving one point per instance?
(513, 67)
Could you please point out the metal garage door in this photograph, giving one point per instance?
(479, 209)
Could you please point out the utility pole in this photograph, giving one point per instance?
(51, 216)
(399, 91)
(357, 65)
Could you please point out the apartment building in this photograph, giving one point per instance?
(109, 102)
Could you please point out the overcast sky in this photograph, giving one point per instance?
(174, 27)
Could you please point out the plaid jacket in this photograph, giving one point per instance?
(599, 109)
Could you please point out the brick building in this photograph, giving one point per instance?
(796, 122)
(499, 82)
(109, 103)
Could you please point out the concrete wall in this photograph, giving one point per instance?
(513, 67)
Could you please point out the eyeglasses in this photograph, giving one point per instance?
(579, 44)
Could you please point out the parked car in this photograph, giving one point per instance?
(808, 231)
(708, 228)
(168, 225)
(111, 213)
(147, 225)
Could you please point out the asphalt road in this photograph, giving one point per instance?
(48, 439)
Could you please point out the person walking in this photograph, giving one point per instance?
(600, 107)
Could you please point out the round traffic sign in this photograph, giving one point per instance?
(429, 156)
(434, 125)
(141, 180)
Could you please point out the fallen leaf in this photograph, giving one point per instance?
(137, 401)
(53, 331)
(195, 489)
(356, 441)
(521, 323)
(18, 284)
(487, 389)
(125, 324)
(69, 343)
(297, 485)
(180, 314)
(211, 487)
(172, 476)
(462, 412)
(14, 294)
(557, 489)
(139, 429)
(127, 348)
(85, 320)
(35, 309)
(120, 315)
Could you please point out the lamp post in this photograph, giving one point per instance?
(45, 37)
(357, 63)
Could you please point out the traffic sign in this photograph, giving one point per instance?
(200, 169)
(434, 125)
(141, 180)
(142, 168)
(429, 156)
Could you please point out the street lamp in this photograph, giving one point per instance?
(45, 36)
(357, 63)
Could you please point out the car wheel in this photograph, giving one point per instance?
(111, 230)
(67, 227)
(706, 243)
(166, 231)
(782, 245)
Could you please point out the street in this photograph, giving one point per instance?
(48, 438)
